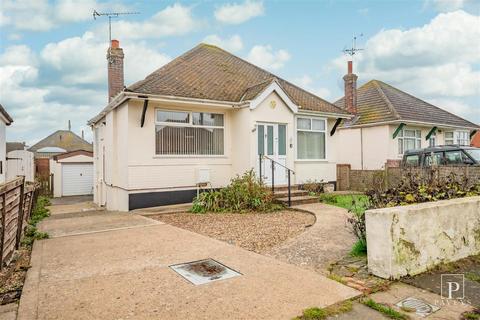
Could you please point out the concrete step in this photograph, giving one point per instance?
(293, 193)
(282, 188)
(299, 200)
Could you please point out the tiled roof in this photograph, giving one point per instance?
(6, 115)
(11, 146)
(380, 102)
(64, 139)
(208, 72)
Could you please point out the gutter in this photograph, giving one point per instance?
(428, 124)
(127, 95)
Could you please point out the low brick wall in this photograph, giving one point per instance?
(362, 180)
(409, 240)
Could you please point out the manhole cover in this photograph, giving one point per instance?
(204, 271)
(418, 306)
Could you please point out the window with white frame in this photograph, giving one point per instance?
(311, 138)
(432, 141)
(409, 139)
(188, 133)
(457, 137)
(449, 137)
(462, 138)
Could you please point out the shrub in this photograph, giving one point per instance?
(313, 186)
(244, 193)
(416, 188)
(413, 188)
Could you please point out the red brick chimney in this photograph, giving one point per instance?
(115, 69)
(350, 90)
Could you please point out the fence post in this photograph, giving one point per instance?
(20, 214)
(51, 185)
(3, 229)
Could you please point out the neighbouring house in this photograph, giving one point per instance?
(200, 120)
(5, 120)
(388, 122)
(72, 173)
(13, 146)
(59, 142)
(476, 140)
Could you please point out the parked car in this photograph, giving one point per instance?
(442, 155)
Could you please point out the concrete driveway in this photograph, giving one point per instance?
(116, 266)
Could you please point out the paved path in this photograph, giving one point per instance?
(116, 266)
(327, 241)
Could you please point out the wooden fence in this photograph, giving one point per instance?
(362, 180)
(17, 199)
(45, 184)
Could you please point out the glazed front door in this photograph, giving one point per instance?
(272, 142)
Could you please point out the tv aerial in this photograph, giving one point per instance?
(110, 15)
(353, 50)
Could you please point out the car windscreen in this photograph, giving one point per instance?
(474, 153)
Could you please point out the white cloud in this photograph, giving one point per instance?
(74, 10)
(438, 61)
(456, 106)
(81, 60)
(239, 13)
(266, 57)
(234, 43)
(19, 55)
(171, 21)
(307, 83)
(435, 59)
(44, 15)
(66, 82)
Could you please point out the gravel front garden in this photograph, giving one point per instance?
(256, 232)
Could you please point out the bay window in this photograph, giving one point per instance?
(311, 138)
(189, 133)
(409, 139)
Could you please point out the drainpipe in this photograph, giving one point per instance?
(361, 147)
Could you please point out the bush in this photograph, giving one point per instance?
(244, 193)
(313, 186)
(415, 188)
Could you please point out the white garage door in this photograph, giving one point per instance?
(77, 179)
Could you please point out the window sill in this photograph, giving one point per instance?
(311, 160)
(189, 157)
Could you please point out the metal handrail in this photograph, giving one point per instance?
(273, 175)
(267, 157)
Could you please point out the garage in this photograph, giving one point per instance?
(77, 179)
(72, 173)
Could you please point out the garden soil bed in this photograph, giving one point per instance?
(13, 277)
(256, 232)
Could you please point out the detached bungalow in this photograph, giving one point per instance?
(200, 120)
(388, 122)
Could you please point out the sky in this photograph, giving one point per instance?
(53, 64)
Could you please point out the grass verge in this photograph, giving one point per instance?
(323, 313)
(346, 201)
(385, 310)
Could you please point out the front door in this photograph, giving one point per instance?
(272, 143)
